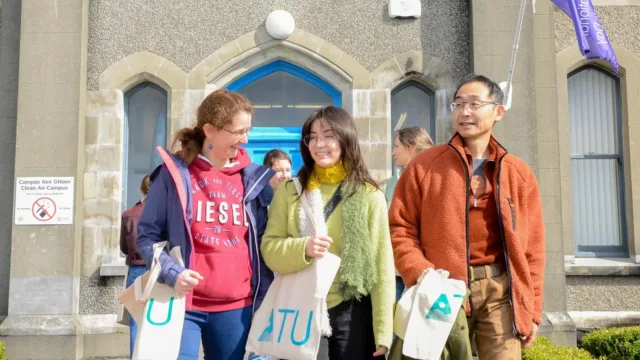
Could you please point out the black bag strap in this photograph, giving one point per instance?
(332, 204)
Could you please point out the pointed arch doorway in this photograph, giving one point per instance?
(283, 95)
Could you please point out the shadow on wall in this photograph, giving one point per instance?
(9, 49)
(453, 16)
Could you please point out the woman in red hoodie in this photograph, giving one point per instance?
(224, 278)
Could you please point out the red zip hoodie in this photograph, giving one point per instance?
(220, 235)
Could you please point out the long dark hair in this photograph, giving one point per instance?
(345, 130)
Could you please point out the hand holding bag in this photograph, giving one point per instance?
(293, 316)
(426, 313)
(157, 309)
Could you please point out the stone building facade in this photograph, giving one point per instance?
(79, 78)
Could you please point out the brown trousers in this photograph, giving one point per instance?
(492, 319)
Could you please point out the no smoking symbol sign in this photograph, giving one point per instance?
(43, 209)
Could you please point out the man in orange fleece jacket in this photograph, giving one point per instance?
(473, 209)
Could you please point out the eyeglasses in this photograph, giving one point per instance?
(473, 105)
(240, 133)
(313, 140)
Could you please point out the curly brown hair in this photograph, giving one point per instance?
(218, 110)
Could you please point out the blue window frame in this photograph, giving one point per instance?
(283, 95)
(291, 69)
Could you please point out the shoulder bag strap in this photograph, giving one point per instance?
(332, 204)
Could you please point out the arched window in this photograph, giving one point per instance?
(597, 176)
(283, 96)
(145, 127)
(415, 101)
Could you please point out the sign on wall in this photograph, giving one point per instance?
(44, 200)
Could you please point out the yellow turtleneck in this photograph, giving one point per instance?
(331, 175)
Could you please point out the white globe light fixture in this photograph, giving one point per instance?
(280, 24)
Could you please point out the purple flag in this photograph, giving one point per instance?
(593, 40)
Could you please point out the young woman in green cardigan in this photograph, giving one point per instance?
(362, 295)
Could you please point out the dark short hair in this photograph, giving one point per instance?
(494, 89)
(145, 185)
(274, 155)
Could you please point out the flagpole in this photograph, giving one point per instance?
(516, 41)
(508, 88)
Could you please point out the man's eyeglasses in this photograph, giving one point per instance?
(240, 133)
(313, 140)
(473, 105)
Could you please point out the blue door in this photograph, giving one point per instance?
(283, 96)
(286, 139)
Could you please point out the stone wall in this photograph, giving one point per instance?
(185, 32)
(603, 293)
(620, 23)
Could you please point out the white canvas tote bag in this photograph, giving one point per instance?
(426, 313)
(293, 315)
(158, 311)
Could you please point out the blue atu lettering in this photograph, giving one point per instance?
(166, 321)
(308, 331)
(284, 320)
(267, 333)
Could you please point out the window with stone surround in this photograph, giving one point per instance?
(145, 127)
(597, 166)
(417, 101)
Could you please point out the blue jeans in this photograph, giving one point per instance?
(399, 288)
(223, 334)
(134, 272)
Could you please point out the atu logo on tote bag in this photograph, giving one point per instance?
(267, 334)
(425, 314)
(294, 315)
(158, 311)
(291, 320)
(169, 313)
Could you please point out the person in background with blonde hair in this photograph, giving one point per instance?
(409, 142)
(128, 234)
(210, 200)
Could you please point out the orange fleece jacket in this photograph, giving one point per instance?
(428, 219)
